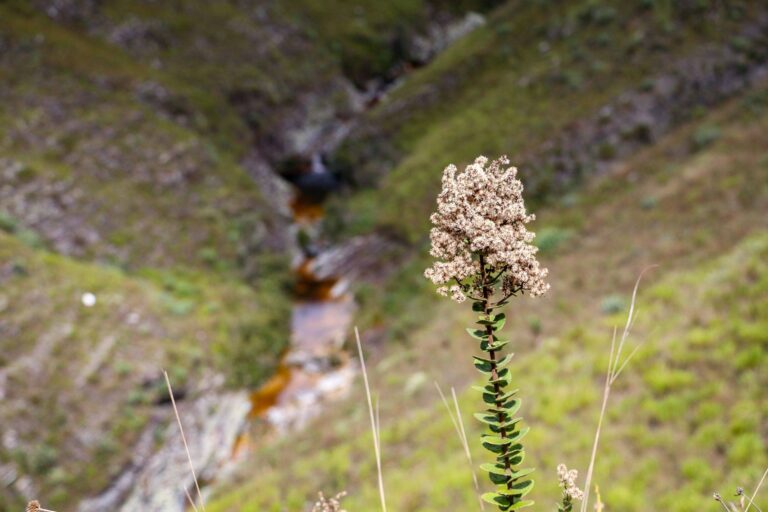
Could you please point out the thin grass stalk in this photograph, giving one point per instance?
(374, 423)
(184, 439)
(757, 489)
(466, 447)
(593, 458)
(190, 500)
(615, 367)
(458, 425)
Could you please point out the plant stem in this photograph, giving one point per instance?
(487, 293)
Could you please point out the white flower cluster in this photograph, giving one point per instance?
(567, 479)
(480, 211)
(324, 504)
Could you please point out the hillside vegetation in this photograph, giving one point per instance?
(137, 141)
(688, 416)
(567, 89)
(142, 145)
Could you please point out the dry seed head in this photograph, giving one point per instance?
(481, 211)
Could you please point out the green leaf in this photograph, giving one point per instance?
(496, 469)
(521, 504)
(518, 435)
(477, 306)
(498, 344)
(483, 365)
(524, 487)
(514, 459)
(518, 489)
(486, 365)
(502, 379)
(489, 397)
(505, 360)
(488, 419)
(497, 499)
(478, 334)
(498, 479)
(496, 440)
(522, 472)
(509, 408)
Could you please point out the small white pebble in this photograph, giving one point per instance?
(88, 299)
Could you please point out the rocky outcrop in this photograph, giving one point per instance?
(358, 258)
(157, 479)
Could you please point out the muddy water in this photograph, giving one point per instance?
(315, 370)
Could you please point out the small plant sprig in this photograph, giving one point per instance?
(484, 252)
(571, 492)
(324, 504)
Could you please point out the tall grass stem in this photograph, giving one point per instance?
(615, 367)
(375, 428)
(757, 489)
(458, 425)
(184, 440)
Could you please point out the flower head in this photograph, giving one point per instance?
(567, 479)
(481, 213)
(324, 504)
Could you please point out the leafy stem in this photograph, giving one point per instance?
(503, 440)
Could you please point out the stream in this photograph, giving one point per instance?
(315, 369)
(222, 427)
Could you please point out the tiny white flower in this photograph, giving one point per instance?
(88, 299)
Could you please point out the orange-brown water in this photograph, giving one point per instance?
(319, 319)
(305, 209)
(310, 288)
(269, 392)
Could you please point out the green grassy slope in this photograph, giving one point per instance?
(534, 71)
(688, 414)
(79, 383)
(104, 190)
(537, 77)
(104, 173)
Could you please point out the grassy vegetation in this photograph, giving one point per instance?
(533, 70)
(55, 350)
(503, 89)
(121, 137)
(148, 208)
(702, 320)
(120, 146)
(705, 358)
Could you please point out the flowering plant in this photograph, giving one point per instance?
(484, 252)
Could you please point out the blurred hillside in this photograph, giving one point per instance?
(159, 155)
